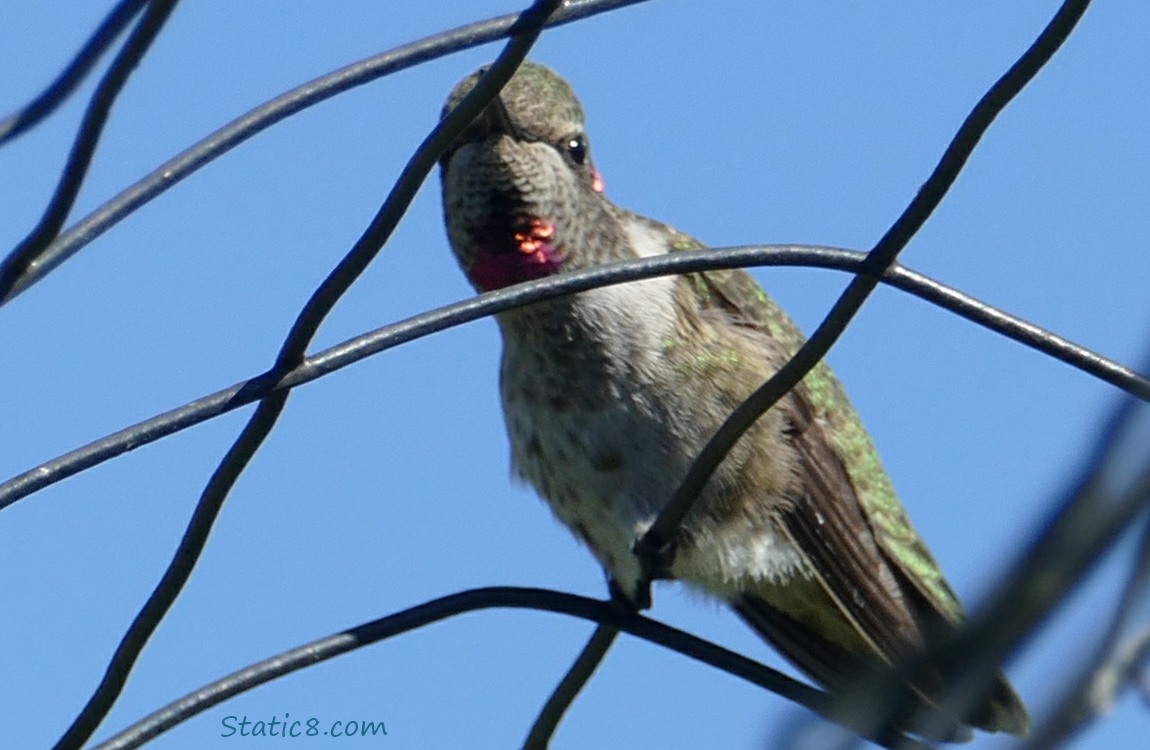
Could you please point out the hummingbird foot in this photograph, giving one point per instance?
(656, 555)
(655, 559)
(630, 603)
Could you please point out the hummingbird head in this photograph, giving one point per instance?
(519, 189)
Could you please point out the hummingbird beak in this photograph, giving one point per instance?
(496, 119)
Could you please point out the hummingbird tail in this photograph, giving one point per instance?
(848, 673)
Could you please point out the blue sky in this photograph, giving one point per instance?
(386, 484)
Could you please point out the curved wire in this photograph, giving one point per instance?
(469, 601)
(58, 91)
(564, 694)
(13, 267)
(433, 321)
(1109, 670)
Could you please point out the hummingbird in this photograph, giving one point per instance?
(609, 394)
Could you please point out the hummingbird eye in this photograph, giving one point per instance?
(577, 150)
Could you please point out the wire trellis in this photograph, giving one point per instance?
(1089, 521)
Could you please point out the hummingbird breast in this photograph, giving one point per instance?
(604, 420)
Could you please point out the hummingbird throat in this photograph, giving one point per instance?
(507, 255)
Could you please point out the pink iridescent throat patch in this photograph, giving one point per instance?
(507, 256)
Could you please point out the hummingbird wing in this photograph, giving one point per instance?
(841, 459)
(867, 559)
(846, 515)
